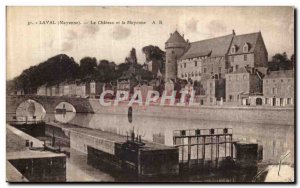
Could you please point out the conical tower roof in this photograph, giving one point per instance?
(176, 37)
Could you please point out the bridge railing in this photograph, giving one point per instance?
(24, 120)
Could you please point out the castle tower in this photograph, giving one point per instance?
(175, 47)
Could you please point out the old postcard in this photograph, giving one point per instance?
(150, 94)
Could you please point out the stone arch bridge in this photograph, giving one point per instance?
(81, 105)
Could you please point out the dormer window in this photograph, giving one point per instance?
(233, 49)
(246, 47)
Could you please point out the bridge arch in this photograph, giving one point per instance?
(80, 105)
(29, 110)
(64, 112)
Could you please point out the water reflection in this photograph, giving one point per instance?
(64, 112)
(78, 170)
(30, 108)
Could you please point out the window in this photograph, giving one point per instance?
(204, 70)
(230, 97)
(220, 69)
(245, 57)
(185, 75)
(173, 52)
(288, 102)
(182, 75)
(195, 63)
(281, 80)
(236, 67)
(184, 65)
(245, 48)
(233, 49)
(281, 101)
(266, 101)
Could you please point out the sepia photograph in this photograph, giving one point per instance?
(115, 94)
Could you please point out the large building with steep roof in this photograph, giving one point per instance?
(213, 57)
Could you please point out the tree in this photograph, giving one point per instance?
(87, 67)
(280, 62)
(293, 61)
(155, 54)
(131, 59)
(52, 71)
(106, 71)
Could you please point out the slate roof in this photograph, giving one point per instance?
(280, 74)
(176, 37)
(210, 47)
(218, 46)
(240, 40)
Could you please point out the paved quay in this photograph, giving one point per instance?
(23, 164)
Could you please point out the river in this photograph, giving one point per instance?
(276, 140)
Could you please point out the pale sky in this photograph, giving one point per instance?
(29, 45)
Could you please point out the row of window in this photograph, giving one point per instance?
(237, 77)
(288, 80)
(205, 69)
(274, 90)
(231, 98)
(204, 57)
(245, 48)
(231, 59)
(192, 74)
(183, 65)
(245, 58)
(272, 101)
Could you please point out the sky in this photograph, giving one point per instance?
(31, 44)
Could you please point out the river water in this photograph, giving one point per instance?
(276, 140)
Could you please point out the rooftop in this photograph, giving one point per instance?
(176, 37)
(240, 40)
(213, 47)
(280, 74)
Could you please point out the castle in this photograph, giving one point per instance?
(213, 58)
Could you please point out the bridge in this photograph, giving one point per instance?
(49, 103)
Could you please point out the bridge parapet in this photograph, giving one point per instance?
(49, 103)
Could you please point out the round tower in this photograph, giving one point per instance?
(175, 47)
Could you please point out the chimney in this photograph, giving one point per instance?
(233, 32)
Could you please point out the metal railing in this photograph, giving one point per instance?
(199, 145)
